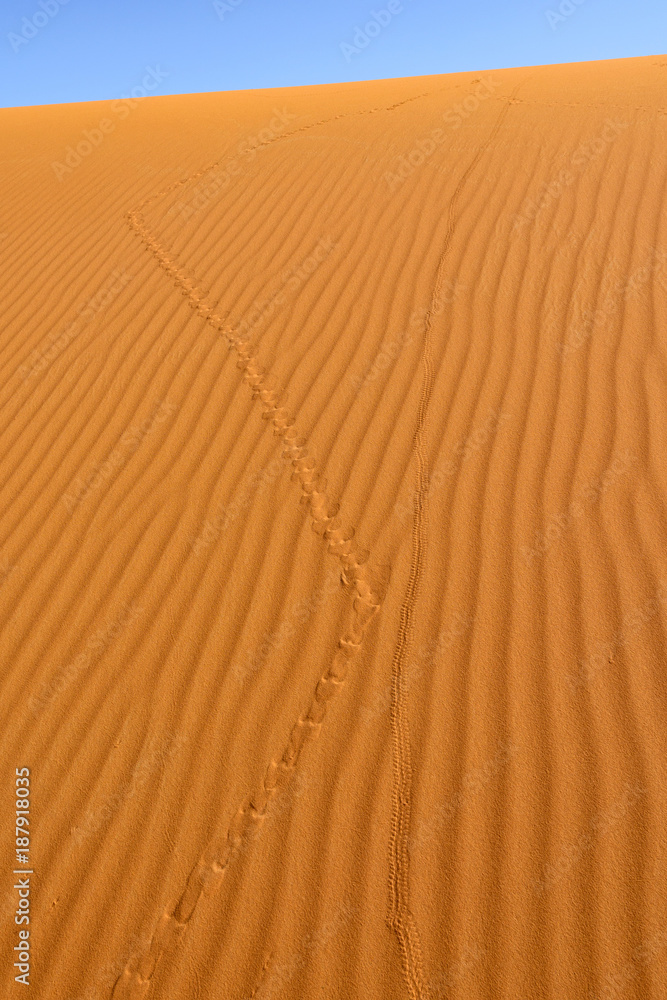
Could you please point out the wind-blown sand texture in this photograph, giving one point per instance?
(334, 540)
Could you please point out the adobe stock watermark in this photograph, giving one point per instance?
(594, 666)
(151, 763)
(458, 627)
(278, 982)
(291, 279)
(222, 7)
(391, 349)
(363, 36)
(93, 650)
(584, 500)
(31, 26)
(218, 177)
(92, 138)
(617, 983)
(226, 514)
(551, 190)
(137, 946)
(425, 147)
(655, 266)
(388, 353)
(105, 471)
(299, 785)
(299, 614)
(464, 449)
(469, 959)
(42, 357)
(599, 825)
(471, 785)
(565, 9)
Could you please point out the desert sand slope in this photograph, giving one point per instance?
(333, 540)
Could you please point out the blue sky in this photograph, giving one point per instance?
(59, 51)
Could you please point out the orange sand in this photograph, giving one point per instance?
(333, 539)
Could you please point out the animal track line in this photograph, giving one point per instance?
(399, 916)
(569, 104)
(368, 590)
(278, 138)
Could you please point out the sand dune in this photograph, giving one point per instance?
(333, 539)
